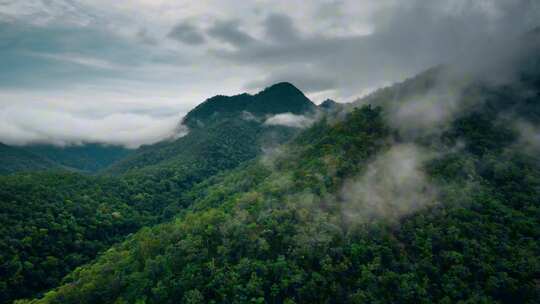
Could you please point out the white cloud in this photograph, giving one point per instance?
(23, 125)
(393, 185)
(78, 56)
(90, 62)
(529, 136)
(289, 120)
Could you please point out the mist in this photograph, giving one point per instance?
(23, 126)
(336, 49)
(290, 120)
(393, 185)
(529, 137)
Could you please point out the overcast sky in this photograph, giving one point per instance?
(125, 71)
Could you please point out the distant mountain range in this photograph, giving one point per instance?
(14, 159)
(88, 158)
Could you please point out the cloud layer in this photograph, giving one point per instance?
(289, 120)
(138, 56)
(18, 127)
(394, 185)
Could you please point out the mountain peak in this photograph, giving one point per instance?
(283, 86)
(328, 104)
(282, 97)
(282, 89)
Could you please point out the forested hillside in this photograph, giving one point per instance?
(53, 222)
(86, 157)
(232, 127)
(360, 208)
(353, 152)
(14, 159)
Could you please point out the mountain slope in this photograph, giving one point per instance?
(86, 157)
(220, 126)
(249, 177)
(330, 105)
(14, 159)
(53, 222)
(355, 211)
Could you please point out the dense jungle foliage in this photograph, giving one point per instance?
(280, 228)
(273, 231)
(52, 222)
(13, 159)
(87, 157)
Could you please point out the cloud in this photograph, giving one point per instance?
(248, 116)
(94, 63)
(281, 28)
(305, 78)
(70, 50)
(145, 37)
(37, 56)
(22, 125)
(423, 114)
(529, 136)
(425, 104)
(289, 120)
(407, 37)
(393, 185)
(186, 33)
(230, 32)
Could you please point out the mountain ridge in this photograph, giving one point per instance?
(88, 157)
(16, 159)
(224, 112)
(281, 97)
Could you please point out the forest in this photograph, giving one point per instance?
(280, 152)
(323, 217)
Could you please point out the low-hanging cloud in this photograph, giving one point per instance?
(406, 38)
(428, 111)
(289, 120)
(427, 103)
(22, 126)
(393, 185)
(334, 49)
(529, 136)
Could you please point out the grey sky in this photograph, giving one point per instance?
(125, 71)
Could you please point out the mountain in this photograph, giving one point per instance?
(87, 157)
(84, 158)
(52, 222)
(279, 98)
(328, 104)
(14, 159)
(409, 197)
(223, 132)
